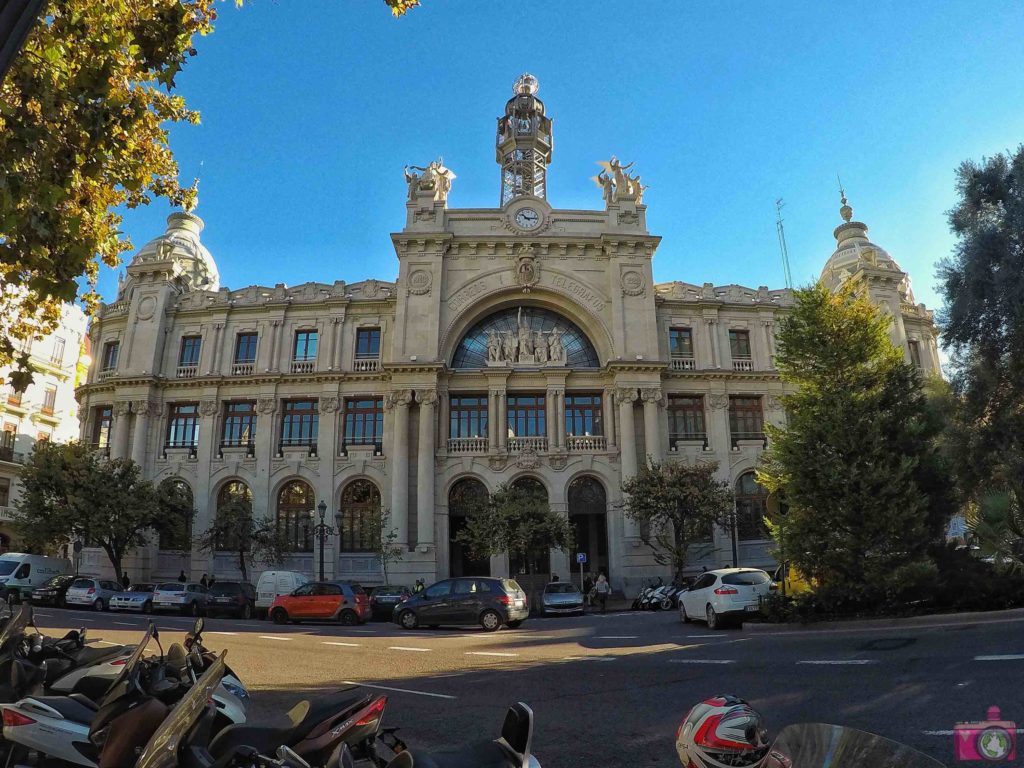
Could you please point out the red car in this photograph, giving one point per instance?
(322, 601)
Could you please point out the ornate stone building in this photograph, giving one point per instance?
(523, 343)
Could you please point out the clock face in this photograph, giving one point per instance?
(527, 218)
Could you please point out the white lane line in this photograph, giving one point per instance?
(86, 619)
(691, 637)
(702, 661)
(124, 623)
(839, 662)
(489, 653)
(42, 614)
(221, 633)
(105, 642)
(347, 645)
(400, 690)
(1005, 657)
(616, 637)
(589, 658)
(950, 733)
(274, 637)
(407, 648)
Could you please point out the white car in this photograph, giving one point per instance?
(189, 598)
(91, 593)
(724, 596)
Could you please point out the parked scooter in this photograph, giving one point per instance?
(641, 601)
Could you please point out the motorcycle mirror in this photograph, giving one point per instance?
(290, 758)
(197, 629)
(81, 636)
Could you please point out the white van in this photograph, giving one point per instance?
(21, 573)
(274, 583)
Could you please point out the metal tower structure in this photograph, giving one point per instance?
(782, 242)
(524, 141)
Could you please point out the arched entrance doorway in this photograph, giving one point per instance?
(539, 560)
(588, 508)
(464, 498)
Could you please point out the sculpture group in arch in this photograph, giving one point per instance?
(525, 346)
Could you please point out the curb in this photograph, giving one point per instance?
(909, 622)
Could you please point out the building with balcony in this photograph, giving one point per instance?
(522, 343)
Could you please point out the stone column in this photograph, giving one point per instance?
(724, 351)
(719, 439)
(399, 401)
(492, 420)
(711, 337)
(427, 398)
(502, 421)
(608, 413)
(652, 424)
(327, 450)
(444, 424)
(143, 409)
(119, 449)
(627, 445)
(551, 408)
(560, 418)
(275, 326)
(769, 344)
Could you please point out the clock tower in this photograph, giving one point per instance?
(523, 145)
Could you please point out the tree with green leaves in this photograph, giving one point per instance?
(69, 492)
(677, 506)
(518, 521)
(383, 537)
(866, 487)
(235, 529)
(983, 327)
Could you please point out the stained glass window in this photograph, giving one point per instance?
(472, 350)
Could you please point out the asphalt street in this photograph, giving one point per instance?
(610, 690)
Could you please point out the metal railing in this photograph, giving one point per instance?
(682, 364)
(106, 373)
(467, 445)
(367, 364)
(520, 444)
(687, 437)
(743, 365)
(6, 513)
(303, 366)
(187, 371)
(243, 369)
(297, 442)
(586, 443)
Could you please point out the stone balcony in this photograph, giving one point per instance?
(303, 366)
(586, 443)
(521, 444)
(464, 445)
(243, 369)
(367, 365)
(187, 371)
(743, 365)
(682, 364)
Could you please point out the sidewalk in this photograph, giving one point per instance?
(908, 622)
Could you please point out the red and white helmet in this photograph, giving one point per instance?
(721, 732)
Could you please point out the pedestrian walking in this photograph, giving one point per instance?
(202, 582)
(588, 589)
(182, 577)
(602, 589)
(125, 581)
(419, 586)
(211, 582)
(554, 578)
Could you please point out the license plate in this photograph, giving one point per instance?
(520, 603)
(750, 608)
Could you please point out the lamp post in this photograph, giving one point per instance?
(322, 531)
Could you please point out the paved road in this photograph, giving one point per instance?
(610, 690)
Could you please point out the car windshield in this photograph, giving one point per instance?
(171, 586)
(389, 591)
(58, 581)
(7, 567)
(81, 584)
(225, 588)
(140, 588)
(746, 578)
(511, 585)
(357, 589)
(561, 589)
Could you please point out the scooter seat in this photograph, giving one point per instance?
(483, 754)
(88, 656)
(69, 707)
(265, 738)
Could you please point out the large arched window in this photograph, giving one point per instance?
(751, 508)
(177, 508)
(464, 499)
(360, 501)
(295, 504)
(533, 324)
(232, 494)
(588, 508)
(540, 559)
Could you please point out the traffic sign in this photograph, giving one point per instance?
(581, 557)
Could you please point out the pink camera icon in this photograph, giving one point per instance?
(990, 740)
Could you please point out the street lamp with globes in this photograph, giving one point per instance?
(322, 531)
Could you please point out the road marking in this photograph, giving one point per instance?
(950, 733)
(43, 614)
(274, 637)
(347, 645)
(400, 690)
(489, 653)
(407, 648)
(702, 661)
(124, 623)
(105, 642)
(691, 637)
(839, 662)
(616, 637)
(1006, 657)
(87, 619)
(221, 633)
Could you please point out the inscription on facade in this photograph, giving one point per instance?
(581, 292)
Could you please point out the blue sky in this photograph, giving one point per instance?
(312, 107)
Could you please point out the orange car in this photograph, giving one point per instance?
(323, 601)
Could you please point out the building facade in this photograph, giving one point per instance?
(519, 344)
(46, 410)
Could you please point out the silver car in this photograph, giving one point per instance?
(561, 597)
(188, 598)
(138, 597)
(91, 593)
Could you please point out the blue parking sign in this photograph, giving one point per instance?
(581, 557)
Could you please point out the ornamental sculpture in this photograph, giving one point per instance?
(617, 184)
(435, 180)
(527, 269)
(525, 346)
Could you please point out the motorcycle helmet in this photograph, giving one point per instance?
(721, 732)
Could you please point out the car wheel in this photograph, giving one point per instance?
(713, 621)
(515, 624)
(147, 607)
(490, 621)
(247, 611)
(279, 616)
(684, 615)
(98, 605)
(349, 618)
(408, 620)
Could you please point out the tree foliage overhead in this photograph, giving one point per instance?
(69, 492)
(866, 487)
(235, 529)
(983, 326)
(677, 505)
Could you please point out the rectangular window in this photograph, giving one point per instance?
(739, 344)
(305, 345)
(239, 424)
(57, 355)
(299, 423)
(527, 416)
(110, 352)
(103, 418)
(245, 348)
(49, 400)
(680, 342)
(5, 491)
(183, 426)
(41, 436)
(14, 397)
(685, 419)
(7, 446)
(364, 421)
(746, 418)
(915, 352)
(584, 415)
(367, 343)
(468, 416)
(189, 355)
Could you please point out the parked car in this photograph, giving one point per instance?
(324, 600)
(274, 583)
(724, 596)
(795, 581)
(188, 598)
(53, 591)
(561, 597)
(235, 597)
(138, 597)
(20, 573)
(384, 599)
(489, 602)
(91, 593)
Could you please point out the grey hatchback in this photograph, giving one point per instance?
(489, 602)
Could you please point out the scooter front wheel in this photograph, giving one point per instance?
(666, 603)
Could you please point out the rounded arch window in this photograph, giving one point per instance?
(532, 486)
(525, 329)
(360, 502)
(751, 508)
(177, 507)
(295, 504)
(466, 496)
(587, 497)
(232, 494)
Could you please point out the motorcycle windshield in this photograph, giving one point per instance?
(123, 682)
(818, 745)
(162, 749)
(16, 625)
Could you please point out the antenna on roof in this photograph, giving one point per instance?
(782, 242)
